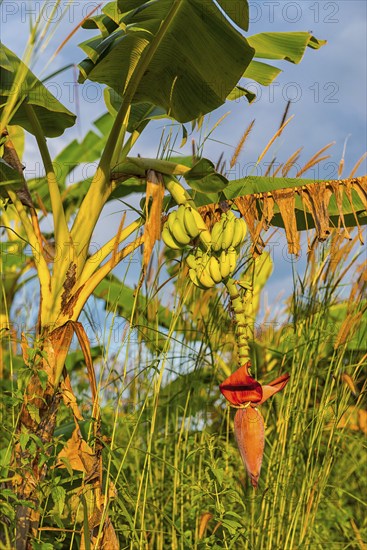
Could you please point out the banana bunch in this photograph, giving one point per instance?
(229, 232)
(182, 226)
(207, 269)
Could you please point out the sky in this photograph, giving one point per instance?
(327, 91)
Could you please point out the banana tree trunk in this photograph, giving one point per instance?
(38, 419)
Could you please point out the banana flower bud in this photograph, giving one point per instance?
(245, 393)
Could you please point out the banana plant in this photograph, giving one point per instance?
(150, 71)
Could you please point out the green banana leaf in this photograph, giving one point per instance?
(52, 115)
(188, 44)
(287, 46)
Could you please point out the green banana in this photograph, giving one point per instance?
(201, 225)
(169, 239)
(237, 305)
(179, 233)
(225, 267)
(214, 269)
(232, 256)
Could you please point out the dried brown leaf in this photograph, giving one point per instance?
(247, 208)
(204, 520)
(317, 198)
(69, 396)
(80, 455)
(285, 200)
(152, 228)
(354, 419)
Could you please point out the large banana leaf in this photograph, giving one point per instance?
(52, 115)
(181, 55)
(288, 46)
(293, 203)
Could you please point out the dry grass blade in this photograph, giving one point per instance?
(315, 159)
(270, 167)
(241, 143)
(291, 162)
(71, 34)
(285, 114)
(277, 170)
(341, 163)
(357, 165)
(275, 136)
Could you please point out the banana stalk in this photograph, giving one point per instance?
(241, 307)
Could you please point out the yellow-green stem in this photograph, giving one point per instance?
(100, 187)
(62, 236)
(95, 260)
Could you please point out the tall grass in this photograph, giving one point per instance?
(173, 460)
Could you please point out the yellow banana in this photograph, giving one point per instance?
(190, 222)
(181, 213)
(201, 228)
(201, 225)
(204, 277)
(192, 261)
(206, 239)
(171, 219)
(194, 278)
(169, 239)
(228, 232)
(217, 235)
(238, 234)
(225, 267)
(179, 233)
(244, 225)
(214, 269)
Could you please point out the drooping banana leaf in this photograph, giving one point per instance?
(287, 46)
(16, 78)
(169, 54)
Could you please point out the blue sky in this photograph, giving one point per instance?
(328, 92)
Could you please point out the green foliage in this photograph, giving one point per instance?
(178, 68)
(17, 81)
